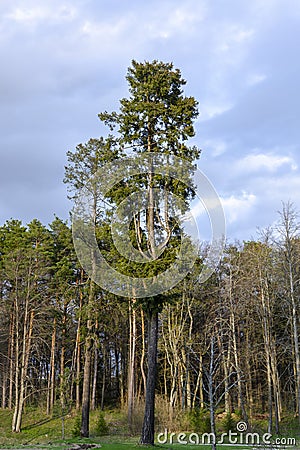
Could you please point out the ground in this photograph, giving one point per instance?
(41, 432)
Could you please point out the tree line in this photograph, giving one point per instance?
(231, 342)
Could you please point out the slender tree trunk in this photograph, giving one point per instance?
(85, 417)
(270, 399)
(94, 389)
(276, 386)
(241, 401)
(188, 346)
(86, 384)
(95, 373)
(226, 361)
(250, 381)
(199, 385)
(51, 381)
(295, 340)
(78, 348)
(4, 382)
(131, 363)
(266, 334)
(122, 372)
(211, 393)
(143, 351)
(290, 229)
(12, 359)
(103, 382)
(238, 371)
(10, 364)
(17, 363)
(26, 346)
(147, 436)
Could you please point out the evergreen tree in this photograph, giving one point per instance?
(83, 163)
(157, 118)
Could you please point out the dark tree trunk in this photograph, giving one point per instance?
(147, 436)
(86, 384)
(85, 417)
(211, 393)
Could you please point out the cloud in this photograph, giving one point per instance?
(234, 36)
(215, 147)
(262, 161)
(37, 14)
(238, 207)
(255, 78)
(210, 110)
(65, 61)
(173, 21)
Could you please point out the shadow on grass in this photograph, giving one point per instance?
(40, 422)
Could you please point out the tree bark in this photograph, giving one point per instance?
(147, 436)
(78, 346)
(85, 417)
(21, 386)
(211, 393)
(93, 406)
(131, 362)
(86, 384)
(143, 352)
(51, 381)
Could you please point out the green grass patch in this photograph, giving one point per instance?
(109, 428)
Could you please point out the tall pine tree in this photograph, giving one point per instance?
(157, 118)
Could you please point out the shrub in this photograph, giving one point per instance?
(101, 425)
(228, 423)
(77, 426)
(200, 420)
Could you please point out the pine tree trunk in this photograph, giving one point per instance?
(51, 381)
(85, 417)
(86, 384)
(211, 393)
(78, 347)
(26, 347)
(93, 405)
(131, 362)
(11, 344)
(17, 364)
(103, 383)
(147, 436)
(143, 352)
(62, 359)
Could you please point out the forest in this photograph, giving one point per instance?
(229, 344)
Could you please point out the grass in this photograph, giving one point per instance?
(42, 432)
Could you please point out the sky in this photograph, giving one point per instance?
(64, 61)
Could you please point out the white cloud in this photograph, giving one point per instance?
(210, 110)
(163, 23)
(255, 78)
(66, 61)
(173, 21)
(215, 147)
(235, 35)
(264, 161)
(104, 30)
(238, 207)
(34, 15)
(197, 209)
